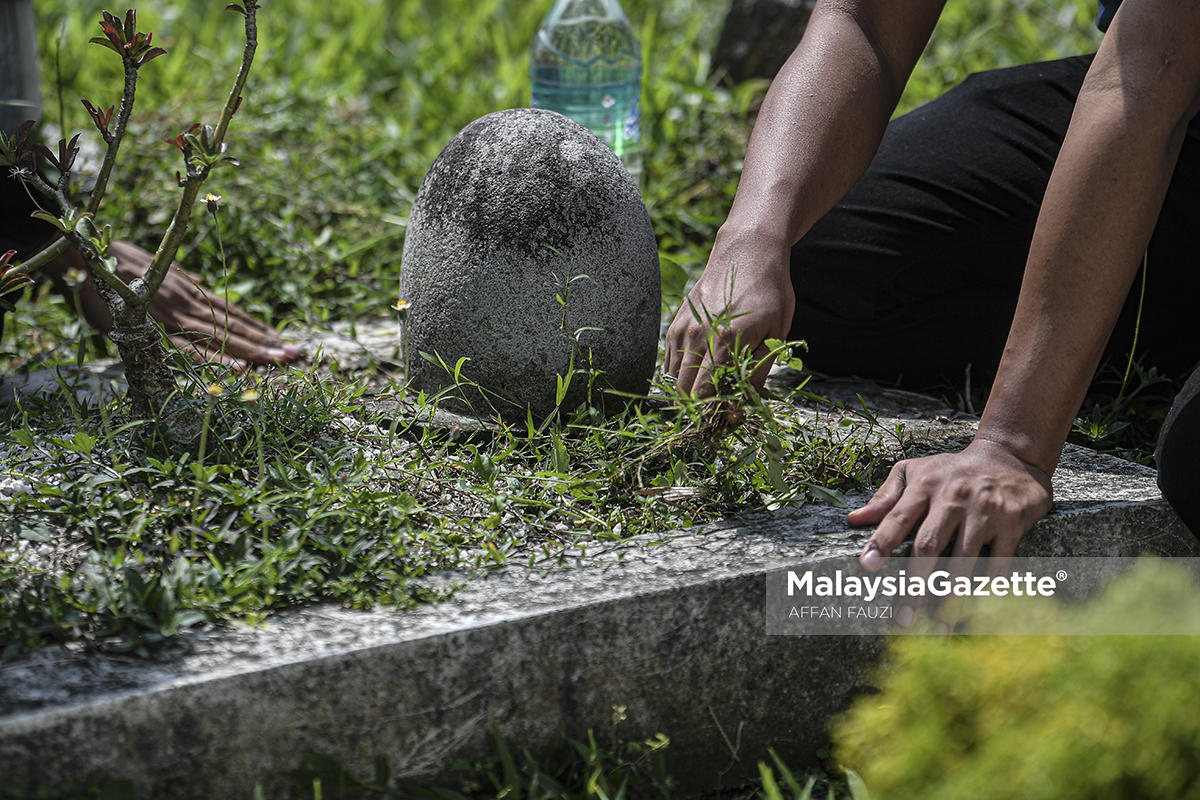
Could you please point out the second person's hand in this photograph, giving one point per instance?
(984, 495)
(746, 293)
(196, 320)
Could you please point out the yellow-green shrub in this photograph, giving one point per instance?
(1031, 717)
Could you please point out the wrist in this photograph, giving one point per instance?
(760, 220)
(758, 248)
(1017, 445)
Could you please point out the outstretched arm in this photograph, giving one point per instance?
(196, 320)
(819, 127)
(1099, 211)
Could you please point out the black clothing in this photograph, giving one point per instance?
(1178, 454)
(19, 231)
(915, 274)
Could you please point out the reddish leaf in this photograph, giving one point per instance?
(67, 152)
(21, 134)
(101, 118)
(100, 40)
(181, 140)
(130, 24)
(113, 32)
(48, 154)
(153, 52)
(115, 39)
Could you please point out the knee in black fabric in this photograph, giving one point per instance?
(1178, 455)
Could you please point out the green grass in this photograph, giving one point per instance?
(301, 496)
(302, 493)
(349, 104)
(1001, 717)
(569, 769)
(990, 34)
(601, 767)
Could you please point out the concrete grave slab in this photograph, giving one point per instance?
(672, 627)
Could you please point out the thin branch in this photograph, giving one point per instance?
(44, 257)
(235, 94)
(110, 155)
(99, 271)
(96, 267)
(54, 193)
(179, 223)
(91, 259)
(173, 237)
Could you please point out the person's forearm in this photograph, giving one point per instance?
(1097, 217)
(826, 111)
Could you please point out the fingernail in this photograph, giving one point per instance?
(872, 559)
(904, 616)
(292, 351)
(276, 354)
(940, 629)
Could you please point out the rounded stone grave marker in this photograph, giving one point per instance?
(529, 253)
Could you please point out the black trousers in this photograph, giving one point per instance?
(915, 274)
(19, 231)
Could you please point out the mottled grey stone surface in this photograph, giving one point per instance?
(759, 35)
(482, 265)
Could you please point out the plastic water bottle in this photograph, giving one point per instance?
(586, 64)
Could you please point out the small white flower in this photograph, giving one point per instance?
(75, 277)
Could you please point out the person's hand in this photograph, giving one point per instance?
(196, 320)
(746, 289)
(984, 494)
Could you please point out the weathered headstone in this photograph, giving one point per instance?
(759, 35)
(530, 253)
